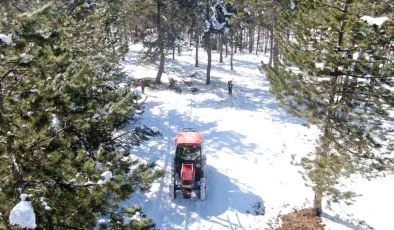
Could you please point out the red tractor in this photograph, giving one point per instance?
(189, 171)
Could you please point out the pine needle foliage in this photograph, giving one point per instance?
(58, 107)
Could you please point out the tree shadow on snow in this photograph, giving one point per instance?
(342, 222)
(223, 195)
(257, 98)
(172, 121)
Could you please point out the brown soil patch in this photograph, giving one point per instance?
(304, 219)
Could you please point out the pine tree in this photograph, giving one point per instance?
(58, 107)
(337, 72)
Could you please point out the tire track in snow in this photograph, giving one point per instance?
(187, 206)
(198, 206)
(162, 201)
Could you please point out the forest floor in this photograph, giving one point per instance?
(251, 144)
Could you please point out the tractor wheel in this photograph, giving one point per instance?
(172, 182)
(203, 190)
(204, 166)
(203, 180)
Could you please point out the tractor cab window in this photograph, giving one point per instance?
(190, 152)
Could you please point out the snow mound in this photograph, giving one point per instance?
(107, 176)
(23, 214)
(374, 21)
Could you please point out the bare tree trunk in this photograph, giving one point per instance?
(197, 43)
(251, 38)
(232, 51)
(271, 45)
(173, 51)
(317, 203)
(226, 45)
(258, 38)
(275, 48)
(245, 38)
(209, 46)
(267, 34)
(236, 42)
(221, 47)
(276, 55)
(241, 40)
(190, 38)
(209, 51)
(161, 45)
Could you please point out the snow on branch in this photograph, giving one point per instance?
(374, 21)
(136, 216)
(107, 176)
(6, 39)
(23, 214)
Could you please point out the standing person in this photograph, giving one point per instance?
(142, 86)
(230, 87)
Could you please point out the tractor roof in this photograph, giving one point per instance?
(188, 139)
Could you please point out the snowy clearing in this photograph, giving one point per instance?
(250, 144)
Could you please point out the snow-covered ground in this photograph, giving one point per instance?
(250, 144)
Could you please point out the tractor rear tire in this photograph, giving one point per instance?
(203, 180)
(172, 182)
(203, 191)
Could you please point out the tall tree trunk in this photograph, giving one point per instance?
(258, 38)
(226, 40)
(209, 52)
(173, 51)
(246, 38)
(251, 38)
(235, 43)
(209, 46)
(266, 39)
(221, 47)
(161, 45)
(197, 43)
(232, 51)
(191, 38)
(275, 48)
(241, 40)
(271, 45)
(317, 204)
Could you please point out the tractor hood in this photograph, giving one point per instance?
(188, 139)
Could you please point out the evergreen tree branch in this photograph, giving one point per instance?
(12, 69)
(16, 84)
(68, 226)
(69, 185)
(334, 7)
(36, 142)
